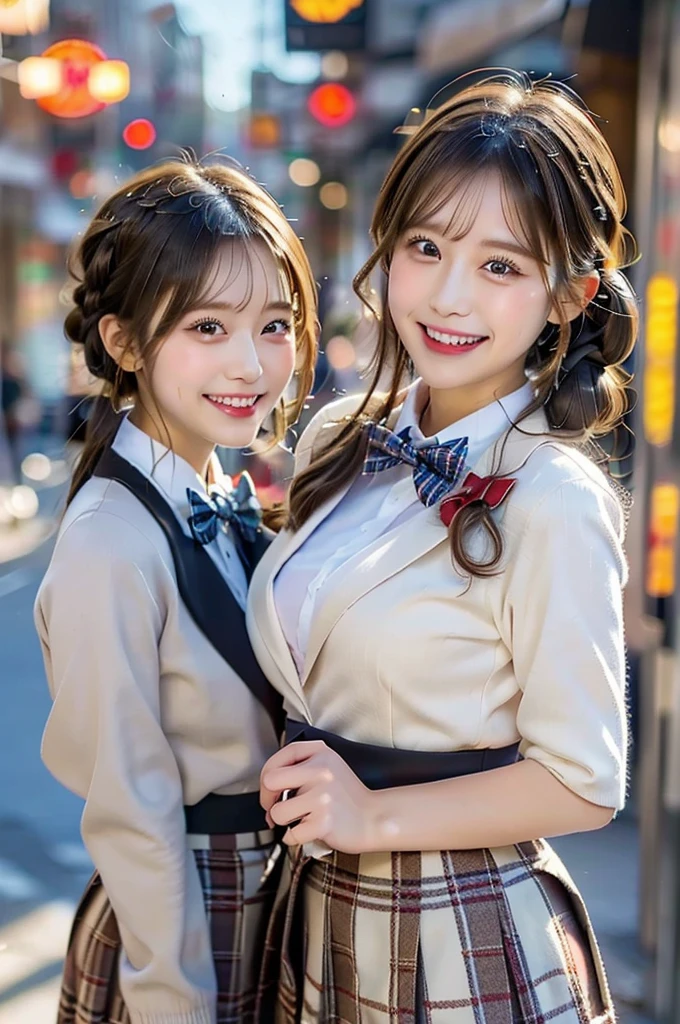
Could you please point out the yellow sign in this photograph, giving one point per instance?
(658, 406)
(325, 10)
(663, 528)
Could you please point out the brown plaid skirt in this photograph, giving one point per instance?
(238, 903)
(474, 937)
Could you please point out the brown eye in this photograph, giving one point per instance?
(501, 268)
(277, 327)
(425, 247)
(208, 328)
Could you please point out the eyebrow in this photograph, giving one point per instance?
(271, 307)
(501, 243)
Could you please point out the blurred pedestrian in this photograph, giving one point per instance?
(195, 304)
(13, 391)
(444, 615)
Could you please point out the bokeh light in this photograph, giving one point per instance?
(139, 134)
(82, 185)
(304, 172)
(340, 352)
(334, 65)
(333, 195)
(332, 104)
(110, 81)
(23, 502)
(36, 466)
(74, 99)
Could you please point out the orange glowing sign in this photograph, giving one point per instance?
(74, 99)
(325, 10)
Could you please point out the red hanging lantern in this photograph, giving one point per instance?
(74, 99)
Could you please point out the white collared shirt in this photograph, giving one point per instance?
(372, 506)
(172, 475)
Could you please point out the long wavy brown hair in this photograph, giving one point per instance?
(148, 257)
(564, 199)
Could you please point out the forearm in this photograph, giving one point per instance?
(496, 808)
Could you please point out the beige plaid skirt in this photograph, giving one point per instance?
(474, 937)
(238, 903)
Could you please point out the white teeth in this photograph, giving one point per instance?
(238, 403)
(450, 339)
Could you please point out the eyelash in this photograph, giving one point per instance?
(421, 238)
(506, 260)
(211, 320)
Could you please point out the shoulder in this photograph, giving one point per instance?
(326, 422)
(106, 531)
(563, 499)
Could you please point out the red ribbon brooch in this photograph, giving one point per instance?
(491, 490)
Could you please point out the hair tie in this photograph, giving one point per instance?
(587, 345)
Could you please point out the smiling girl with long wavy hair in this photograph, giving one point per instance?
(443, 614)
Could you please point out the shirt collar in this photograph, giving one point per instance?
(482, 428)
(170, 473)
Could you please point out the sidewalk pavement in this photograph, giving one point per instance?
(605, 867)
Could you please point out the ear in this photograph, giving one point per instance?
(587, 287)
(117, 345)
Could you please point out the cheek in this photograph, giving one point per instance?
(404, 286)
(278, 361)
(181, 362)
(525, 308)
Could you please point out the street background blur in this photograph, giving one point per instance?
(307, 94)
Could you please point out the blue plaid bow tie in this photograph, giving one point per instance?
(436, 468)
(239, 509)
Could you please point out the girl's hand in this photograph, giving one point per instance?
(328, 801)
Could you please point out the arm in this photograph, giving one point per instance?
(563, 624)
(101, 615)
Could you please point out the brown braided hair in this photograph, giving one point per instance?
(147, 257)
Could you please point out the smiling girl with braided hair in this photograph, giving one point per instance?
(443, 613)
(194, 304)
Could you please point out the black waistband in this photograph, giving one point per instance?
(384, 767)
(218, 814)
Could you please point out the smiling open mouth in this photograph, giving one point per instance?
(450, 342)
(234, 405)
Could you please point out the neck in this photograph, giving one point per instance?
(194, 450)
(447, 406)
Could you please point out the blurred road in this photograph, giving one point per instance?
(43, 864)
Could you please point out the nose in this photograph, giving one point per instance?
(243, 361)
(452, 295)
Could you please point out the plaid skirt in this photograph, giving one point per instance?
(473, 937)
(238, 904)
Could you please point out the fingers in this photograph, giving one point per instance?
(286, 811)
(280, 772)
(311, 829)
(295, 776)
(293, 753)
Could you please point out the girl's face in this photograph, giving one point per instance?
(224, 367)
(468, 310)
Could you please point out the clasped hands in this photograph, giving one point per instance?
(327, 802)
